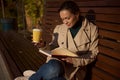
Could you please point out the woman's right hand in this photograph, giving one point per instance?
(41, 44)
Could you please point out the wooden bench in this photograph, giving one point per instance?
(106, 15)
(19, 53)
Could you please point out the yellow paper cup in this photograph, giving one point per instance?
(37, 35)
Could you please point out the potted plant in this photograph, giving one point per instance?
(34, 12)
(9, 13)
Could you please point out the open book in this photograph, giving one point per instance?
(59, 52)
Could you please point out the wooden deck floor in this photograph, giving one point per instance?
(4, 74)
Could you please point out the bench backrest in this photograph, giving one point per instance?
(105, 14)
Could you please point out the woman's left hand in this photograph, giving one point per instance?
(68, 60)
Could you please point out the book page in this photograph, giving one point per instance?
(58, 52)
(63, 52)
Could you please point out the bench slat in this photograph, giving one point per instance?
(109, 52)
(109, 61)
(109, 26)
(109, 34)
(109, 43)
(108, 69)
(102, 75)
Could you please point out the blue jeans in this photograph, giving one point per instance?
(53, 70)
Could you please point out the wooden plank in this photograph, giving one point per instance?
(109, 61)
(4, 71)
(53, 19)
(110, 44)
(55, 2)
(84, 0)
(52, 9)
(14, 71)
(109, 34)
(52, 23)
(108, 26)
(102, 74)
(109, 52)
(106, 18)
(13, 68)
(85, 3)
(108, 69)
(101, 10)
(102, 3)
(96, 10)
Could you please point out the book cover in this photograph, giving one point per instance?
(45, 52)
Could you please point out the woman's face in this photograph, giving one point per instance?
(68, 18)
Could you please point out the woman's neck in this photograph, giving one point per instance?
(78, 23)
(74, 30)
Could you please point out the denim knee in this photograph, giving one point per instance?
(48, 71)
(54, 69)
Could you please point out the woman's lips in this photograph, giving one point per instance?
(68, 24)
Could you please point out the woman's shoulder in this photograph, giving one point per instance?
(61, 27)
(87, 23)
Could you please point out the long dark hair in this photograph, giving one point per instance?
(71, 6)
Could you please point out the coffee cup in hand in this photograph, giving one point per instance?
(37, 35)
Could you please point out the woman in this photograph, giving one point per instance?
(78, 35)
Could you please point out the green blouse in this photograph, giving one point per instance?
(74, 30)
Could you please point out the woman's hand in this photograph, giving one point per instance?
(41, 44)
(68, 60)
